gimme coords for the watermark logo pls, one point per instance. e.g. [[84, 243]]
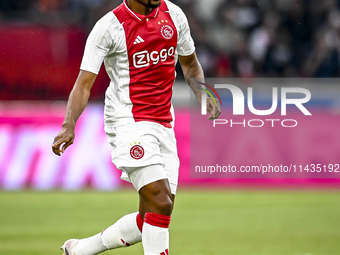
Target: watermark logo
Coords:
[[239, 101]]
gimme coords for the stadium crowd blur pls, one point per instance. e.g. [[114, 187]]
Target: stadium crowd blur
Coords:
[[234, 38]]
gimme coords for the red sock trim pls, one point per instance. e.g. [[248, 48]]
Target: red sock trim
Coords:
[[139, 222], [157, 220]]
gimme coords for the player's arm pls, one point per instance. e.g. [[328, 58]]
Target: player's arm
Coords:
[[75, 106], [193, 73]]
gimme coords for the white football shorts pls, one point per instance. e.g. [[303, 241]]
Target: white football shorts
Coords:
[[145, 152]]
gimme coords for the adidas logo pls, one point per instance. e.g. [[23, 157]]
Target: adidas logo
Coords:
[[139, 40]]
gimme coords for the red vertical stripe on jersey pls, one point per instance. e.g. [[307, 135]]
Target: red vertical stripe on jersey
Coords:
[[152, 62]]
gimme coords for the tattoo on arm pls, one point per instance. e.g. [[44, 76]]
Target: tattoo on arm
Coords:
[[193, 75], [194, 71]]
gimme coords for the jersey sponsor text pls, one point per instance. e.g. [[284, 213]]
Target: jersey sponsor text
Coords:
[[144, 58]]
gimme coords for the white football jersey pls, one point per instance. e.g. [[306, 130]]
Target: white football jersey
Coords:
[[140, 53]]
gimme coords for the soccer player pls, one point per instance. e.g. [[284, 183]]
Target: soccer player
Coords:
[[139, 42]]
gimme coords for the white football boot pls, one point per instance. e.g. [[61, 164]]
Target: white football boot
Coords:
[[68, 247]]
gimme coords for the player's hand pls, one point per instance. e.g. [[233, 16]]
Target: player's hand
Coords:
[[65, 138], [215, 110]]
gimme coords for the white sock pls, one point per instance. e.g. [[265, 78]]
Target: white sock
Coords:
[[125, 232], [155, 236], [90, 246]]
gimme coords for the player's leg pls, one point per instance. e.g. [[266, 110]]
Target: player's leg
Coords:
[[157, 198], [125, 232], [156, 204]]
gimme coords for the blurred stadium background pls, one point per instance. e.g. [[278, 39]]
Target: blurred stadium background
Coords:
[[41, 45]]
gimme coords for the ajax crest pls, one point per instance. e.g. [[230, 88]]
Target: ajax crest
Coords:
[[137, 152], [167, 32]]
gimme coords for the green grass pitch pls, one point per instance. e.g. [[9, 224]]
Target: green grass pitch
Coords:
[[230, 222]]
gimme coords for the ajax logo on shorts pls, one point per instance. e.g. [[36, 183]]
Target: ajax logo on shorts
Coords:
[[136, 151]]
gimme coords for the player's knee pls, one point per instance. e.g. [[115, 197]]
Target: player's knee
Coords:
[[156, 198], [164, 205]]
